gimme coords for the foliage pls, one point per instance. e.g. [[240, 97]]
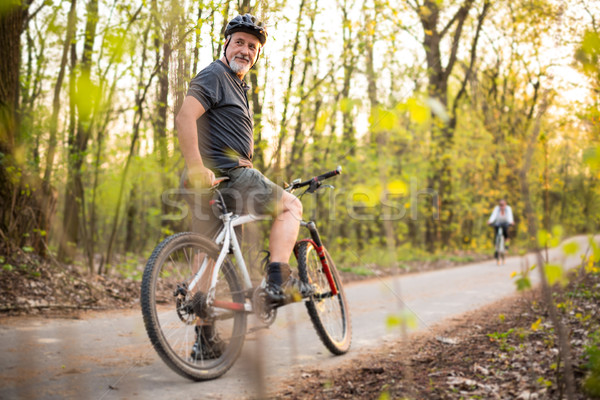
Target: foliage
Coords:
[[358, 95], [592, 353]]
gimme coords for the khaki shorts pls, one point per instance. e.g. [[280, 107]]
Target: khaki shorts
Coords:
[[246, 192], [249, 192]]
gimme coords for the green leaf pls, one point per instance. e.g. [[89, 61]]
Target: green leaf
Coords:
[[554, 274], [543, 237], [398, 187], [418, 112], [384, 396], [370, 196], [347, 104], [595, 248], [322, 121], [557, 234], [591, 157], [570, 249], [28, 249], [523, 284], [591, 43], [382, 120], [405, 318]]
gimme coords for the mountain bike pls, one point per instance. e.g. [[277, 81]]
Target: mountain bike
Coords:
[[192, 282], [500, 248]]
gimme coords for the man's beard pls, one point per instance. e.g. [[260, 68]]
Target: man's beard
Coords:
[[239, 68]]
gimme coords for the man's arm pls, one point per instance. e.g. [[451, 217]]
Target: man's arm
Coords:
[[190, 111]]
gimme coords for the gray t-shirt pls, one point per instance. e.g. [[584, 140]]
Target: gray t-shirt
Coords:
[[225, 130]]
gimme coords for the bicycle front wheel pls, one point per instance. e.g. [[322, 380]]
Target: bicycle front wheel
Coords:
[[329, 313], [178, 318]]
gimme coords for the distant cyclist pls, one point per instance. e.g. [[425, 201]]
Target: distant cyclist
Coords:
[[502, 217]]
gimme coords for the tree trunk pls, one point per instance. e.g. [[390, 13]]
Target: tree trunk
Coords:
[[349, 56], [130, 231], [160, 124], [225, 15], [20, 214], [299, 140], [57, 89], [438, 232], [75, 195], [286, 98], [258, 159]]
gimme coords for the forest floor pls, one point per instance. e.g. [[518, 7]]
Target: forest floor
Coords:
[[32, 286], [507, 350]]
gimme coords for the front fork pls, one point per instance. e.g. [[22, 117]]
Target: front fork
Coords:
[[318, 245]]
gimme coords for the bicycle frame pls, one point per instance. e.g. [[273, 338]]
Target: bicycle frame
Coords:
[[499, 238], [318, 245], [227, 240]]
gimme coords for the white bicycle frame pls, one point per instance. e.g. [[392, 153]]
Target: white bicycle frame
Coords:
[[227, 240], [499, 240]]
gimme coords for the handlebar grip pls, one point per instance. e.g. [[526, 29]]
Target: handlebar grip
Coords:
[[330, 174]]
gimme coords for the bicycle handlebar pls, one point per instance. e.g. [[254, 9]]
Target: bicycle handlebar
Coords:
[[329, 174], [316, 181]]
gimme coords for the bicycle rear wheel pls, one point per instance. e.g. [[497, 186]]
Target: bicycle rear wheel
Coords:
[[174, 314], [329, 313], [499, 249]]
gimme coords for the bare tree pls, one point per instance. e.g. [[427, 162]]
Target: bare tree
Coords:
[[78, 142], [438, 74]]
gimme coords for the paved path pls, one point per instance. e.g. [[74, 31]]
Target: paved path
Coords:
[[109, 356]]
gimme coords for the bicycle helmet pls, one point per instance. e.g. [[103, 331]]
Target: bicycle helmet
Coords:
[[247, 23]]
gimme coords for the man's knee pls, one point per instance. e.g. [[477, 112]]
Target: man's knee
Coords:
[[292, 205]]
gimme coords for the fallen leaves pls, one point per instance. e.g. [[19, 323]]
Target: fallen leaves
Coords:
[[38, 286], [508, 351]]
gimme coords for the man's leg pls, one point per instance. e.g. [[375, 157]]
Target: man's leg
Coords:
[[284, 230]]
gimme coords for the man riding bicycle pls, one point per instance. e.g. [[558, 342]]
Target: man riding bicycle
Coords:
[[216, 136], [502, 217]]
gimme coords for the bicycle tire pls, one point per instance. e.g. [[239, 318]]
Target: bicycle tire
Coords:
[[171, 326], [329, 314], [497, 245], [500, 247]]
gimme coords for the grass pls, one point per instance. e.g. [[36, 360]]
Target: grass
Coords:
[[358, 270], [349, 259]]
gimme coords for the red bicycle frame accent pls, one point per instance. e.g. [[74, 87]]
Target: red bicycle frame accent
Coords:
[[321, 253], [227, 305]]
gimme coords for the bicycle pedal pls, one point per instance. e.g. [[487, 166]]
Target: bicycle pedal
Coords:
[[263, 308]]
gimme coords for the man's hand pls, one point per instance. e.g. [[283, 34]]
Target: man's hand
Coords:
[[201, 177]]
